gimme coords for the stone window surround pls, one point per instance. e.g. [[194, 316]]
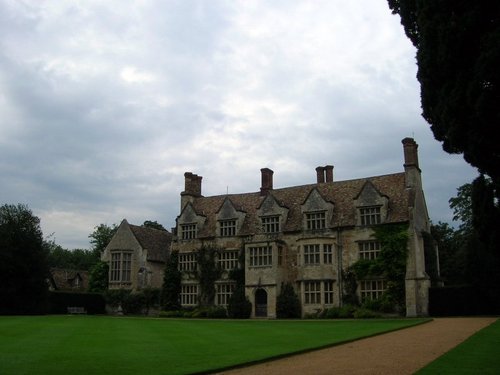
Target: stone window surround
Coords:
[[120, 266]]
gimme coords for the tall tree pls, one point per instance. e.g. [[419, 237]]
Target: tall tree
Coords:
[[452, 253], [101, 236], [98, 277], [23, 262], [458, 55], [171, 290]]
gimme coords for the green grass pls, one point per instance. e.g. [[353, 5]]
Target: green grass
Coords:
[[110, 345], [479, 354]]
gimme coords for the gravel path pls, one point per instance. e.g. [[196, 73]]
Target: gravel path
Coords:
[[400, 352]]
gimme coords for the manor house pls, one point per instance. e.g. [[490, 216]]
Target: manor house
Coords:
[[305, 235]]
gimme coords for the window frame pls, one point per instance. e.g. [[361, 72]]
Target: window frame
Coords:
[[120, 270], [373, 289], [189, 294], [223, 292], [328, 255], [315, 220], [227, 228], [370, 215], [312, 292], [369, 250], [328, 292], [228, 260], [311, 254], [188, 262], [189, 231], [271, 224], [260, 256]]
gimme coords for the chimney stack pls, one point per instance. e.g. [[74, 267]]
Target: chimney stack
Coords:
[[267, 181], [329, 173], [324, 174], [192, 184], [320, 174], [410, 148]]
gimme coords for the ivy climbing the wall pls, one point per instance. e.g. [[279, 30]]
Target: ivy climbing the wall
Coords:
[[208, 272], [389, 265]]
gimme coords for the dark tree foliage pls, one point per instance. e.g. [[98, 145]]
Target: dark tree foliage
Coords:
[[23, 262], [100, 237], [239, 306], [154, 225], [98, 277], [287, 303], [452, 253], [77, 259], [458, 55], [171, 289], [484, 252]]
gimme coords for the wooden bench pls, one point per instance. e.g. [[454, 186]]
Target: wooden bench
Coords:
[[76, 310]]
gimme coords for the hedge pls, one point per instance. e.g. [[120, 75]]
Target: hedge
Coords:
[[93, 303], [464, 301]]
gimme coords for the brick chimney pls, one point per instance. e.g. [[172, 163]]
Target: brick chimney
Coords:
[[267, 181], [192, 188], [329, 173], [320, 174], [410, 148], [324, 174]]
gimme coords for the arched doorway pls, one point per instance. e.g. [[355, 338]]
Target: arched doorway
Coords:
[[260, 303]]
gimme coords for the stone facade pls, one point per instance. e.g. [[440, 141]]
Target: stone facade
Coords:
[[136, 257], [305, 235]]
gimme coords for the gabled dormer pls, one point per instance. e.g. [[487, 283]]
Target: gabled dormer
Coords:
[[272, 215], [371, 206], [189, 223], [317, 213], [229, 219]]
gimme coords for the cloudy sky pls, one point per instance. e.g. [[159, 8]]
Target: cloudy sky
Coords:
[[105, 104]]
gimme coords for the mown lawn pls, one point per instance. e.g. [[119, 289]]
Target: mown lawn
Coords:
[[479, 354], [112, 345]]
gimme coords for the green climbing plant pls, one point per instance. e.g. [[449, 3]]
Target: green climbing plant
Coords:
[[208, 272], [390, 263]]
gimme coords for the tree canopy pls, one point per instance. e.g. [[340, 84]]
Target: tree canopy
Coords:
[[101, 236], [458, 55], [153, 224], [23, 262]]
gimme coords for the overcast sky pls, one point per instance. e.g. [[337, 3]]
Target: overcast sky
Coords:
[[105, 104]]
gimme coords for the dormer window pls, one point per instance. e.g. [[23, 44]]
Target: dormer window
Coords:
[[271, 224], [227, 228], [188, 231], [315, 220], [370, 215]]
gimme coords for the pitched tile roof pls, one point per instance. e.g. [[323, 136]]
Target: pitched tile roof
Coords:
[[157, 242], [66, 279], [340, 193]]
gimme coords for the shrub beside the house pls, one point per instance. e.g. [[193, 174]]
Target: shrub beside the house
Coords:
[[345, 312], [239, 306], [133, 303], [287, 303]]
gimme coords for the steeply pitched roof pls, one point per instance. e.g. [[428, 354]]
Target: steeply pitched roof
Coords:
[[340, 193], [157, 242], [65, 279]]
